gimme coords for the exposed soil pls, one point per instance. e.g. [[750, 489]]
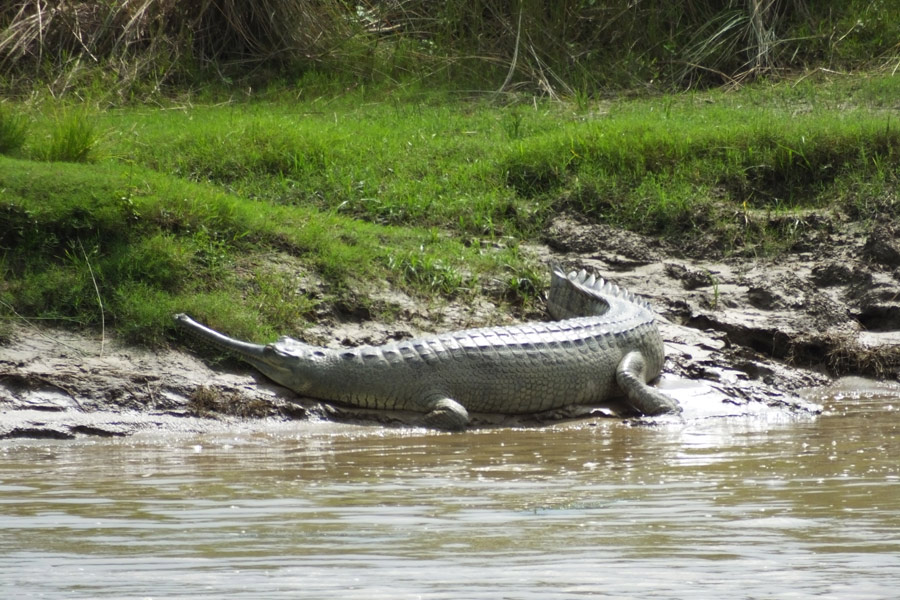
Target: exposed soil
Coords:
[[743, 336]]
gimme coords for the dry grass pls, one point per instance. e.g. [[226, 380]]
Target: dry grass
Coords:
[[159, 40], [846, 355], [570, 48]]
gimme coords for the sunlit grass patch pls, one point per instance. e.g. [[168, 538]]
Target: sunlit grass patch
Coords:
[[660, 166]]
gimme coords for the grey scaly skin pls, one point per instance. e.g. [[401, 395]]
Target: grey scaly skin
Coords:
[[604, 344]]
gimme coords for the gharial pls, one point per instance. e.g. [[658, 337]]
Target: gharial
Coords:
[[604, 344]]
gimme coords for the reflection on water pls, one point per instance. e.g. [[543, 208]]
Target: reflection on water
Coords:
[[741, 508]]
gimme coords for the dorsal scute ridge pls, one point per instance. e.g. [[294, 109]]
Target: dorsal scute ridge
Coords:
[[595, 285]]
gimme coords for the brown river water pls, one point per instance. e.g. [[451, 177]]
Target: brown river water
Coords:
[[763, 506]]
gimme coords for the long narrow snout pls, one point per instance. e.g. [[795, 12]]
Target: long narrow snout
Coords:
[[244, 350]]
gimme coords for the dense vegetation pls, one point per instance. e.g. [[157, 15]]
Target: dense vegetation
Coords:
[[367, 159], [566, 48]]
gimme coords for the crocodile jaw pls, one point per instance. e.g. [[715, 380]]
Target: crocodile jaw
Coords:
[[267, 359]]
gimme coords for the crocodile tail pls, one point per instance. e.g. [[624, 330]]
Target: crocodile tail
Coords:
[[578, 294]]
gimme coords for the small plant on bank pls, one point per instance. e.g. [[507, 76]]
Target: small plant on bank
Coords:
[[714, 303], [512, 124], [523, 286], [13, 130]]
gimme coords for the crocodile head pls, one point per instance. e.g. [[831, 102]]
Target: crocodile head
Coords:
[[287, 362]]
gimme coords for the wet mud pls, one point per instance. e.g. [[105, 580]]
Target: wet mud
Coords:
[[743, 336]]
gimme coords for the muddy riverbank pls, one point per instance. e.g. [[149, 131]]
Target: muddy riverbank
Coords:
[[742, 335]]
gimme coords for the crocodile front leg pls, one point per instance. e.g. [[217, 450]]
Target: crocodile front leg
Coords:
[[447, 414], [630, 375]]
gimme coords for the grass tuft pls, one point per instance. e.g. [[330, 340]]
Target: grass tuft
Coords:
[[13, 130], [72, 139], [423, 271]]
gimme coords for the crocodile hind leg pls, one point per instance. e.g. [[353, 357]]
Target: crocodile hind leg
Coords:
[[631, 378], [446, 414]]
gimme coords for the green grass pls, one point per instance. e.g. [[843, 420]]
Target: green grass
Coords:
[[254, 215], [158, 244], [662, 165]]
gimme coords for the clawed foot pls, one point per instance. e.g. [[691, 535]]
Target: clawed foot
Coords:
[[448, 415], [642, 397]]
